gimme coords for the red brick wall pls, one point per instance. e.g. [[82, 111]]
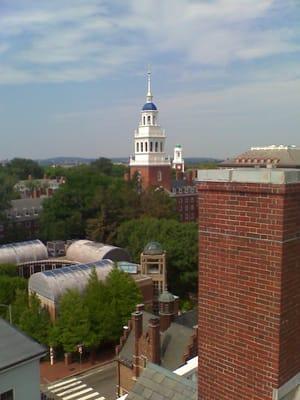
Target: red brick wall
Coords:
[[249, 279], [149, 175]]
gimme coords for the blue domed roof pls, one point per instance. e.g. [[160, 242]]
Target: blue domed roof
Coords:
[[149, 107]]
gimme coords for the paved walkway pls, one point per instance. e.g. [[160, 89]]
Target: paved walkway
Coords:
[[51, 373]]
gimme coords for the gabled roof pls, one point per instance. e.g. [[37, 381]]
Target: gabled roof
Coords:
[[174, 343], [16, 347], [157, 383]]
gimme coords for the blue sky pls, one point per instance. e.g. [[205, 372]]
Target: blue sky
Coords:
[[226, 74]]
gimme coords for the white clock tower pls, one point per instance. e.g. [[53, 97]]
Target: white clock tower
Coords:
[[150, 161], [178, 161]]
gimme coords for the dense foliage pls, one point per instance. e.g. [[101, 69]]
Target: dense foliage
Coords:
[[91, 318], [95, 200], [101, 312], [178, 239], [22, 168], [8, 269]]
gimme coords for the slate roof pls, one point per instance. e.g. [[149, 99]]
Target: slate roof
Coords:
[[16, 347], [174, 343], [157, 383], [189, 318]]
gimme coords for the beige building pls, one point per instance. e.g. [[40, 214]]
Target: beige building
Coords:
[[153, 264]]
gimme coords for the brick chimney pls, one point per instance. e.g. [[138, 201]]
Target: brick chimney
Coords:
[[137, 318], [249, 280], [154, 340]]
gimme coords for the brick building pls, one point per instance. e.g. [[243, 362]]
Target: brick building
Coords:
[[167, 340], [185, 194], [35, 188], [151, 166], [249, 279]]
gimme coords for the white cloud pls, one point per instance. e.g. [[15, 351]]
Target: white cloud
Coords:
[[74, 40]]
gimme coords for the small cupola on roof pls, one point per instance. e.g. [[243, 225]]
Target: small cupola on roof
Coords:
[[166, 297], [149, 105], [153, 248]]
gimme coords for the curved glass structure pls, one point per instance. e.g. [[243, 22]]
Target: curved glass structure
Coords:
[[53, 284], [17, 253], [86, 251]]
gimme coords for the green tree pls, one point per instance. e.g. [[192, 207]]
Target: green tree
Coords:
[[35, 321], [21, 168], [158, 204], [180, 242], [8, 270], [122, 297], [73, 323], [95, 300], [19, 305], [8, 288], [117, 203]]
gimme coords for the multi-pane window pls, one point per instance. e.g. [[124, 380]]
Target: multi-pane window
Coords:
[[9, 395]]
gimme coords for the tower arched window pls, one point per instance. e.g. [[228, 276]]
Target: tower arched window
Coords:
[[161, 147], [144, 120], [159, 176], [151, 146], [137, 147], [149, 119], [142, 147], [146, 147], [156, 147]]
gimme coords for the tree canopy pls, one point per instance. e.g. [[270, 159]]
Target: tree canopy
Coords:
[[180, 242], [21, 168], [95, 200], [97, 315]]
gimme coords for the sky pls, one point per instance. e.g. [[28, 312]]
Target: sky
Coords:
[[225, 75]]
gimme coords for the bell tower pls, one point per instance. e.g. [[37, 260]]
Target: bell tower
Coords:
[[178, 161], [150, 162]]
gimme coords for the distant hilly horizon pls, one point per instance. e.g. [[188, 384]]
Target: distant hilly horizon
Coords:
[[123, 160]]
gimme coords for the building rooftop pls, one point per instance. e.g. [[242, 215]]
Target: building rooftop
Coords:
[[54, 283], [153, 248], [279, 156], [189, 318], [275, 176], [16, 347], [174, 343], [86, 251], [166, 297], [17, 253], [149, 107], [157, 383]]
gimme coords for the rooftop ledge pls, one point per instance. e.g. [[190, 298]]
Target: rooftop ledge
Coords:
[[250, 175]]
